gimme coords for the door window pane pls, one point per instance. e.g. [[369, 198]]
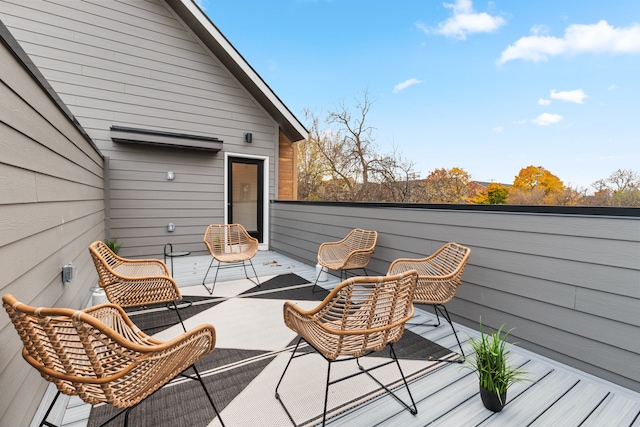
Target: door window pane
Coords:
[[245, 195]]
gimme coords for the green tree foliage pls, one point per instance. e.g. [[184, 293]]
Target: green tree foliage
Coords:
[[494, 194], [497, 194]]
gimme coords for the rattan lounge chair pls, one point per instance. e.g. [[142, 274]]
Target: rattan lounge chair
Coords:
[[99, 355], [360, 316], [352, 252], [230, 245], [439, 276], [134, 282]]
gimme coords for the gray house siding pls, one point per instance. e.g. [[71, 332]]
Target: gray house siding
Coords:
[[136, 64], [569, 284], [51, 209]]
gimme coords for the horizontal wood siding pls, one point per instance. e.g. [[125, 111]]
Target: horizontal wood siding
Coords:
[[51, 209], [569, 284], [136, 64]]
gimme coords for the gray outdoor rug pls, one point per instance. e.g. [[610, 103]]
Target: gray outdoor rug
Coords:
[[252, 348]]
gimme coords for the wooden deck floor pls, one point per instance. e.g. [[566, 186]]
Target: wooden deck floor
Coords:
[[557, 395]]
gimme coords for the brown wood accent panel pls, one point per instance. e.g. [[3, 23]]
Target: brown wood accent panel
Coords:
[[287, 169]]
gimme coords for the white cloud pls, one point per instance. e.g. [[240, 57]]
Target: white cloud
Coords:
[[578, 96], [519, 122], [540, 30], [464, 21], [546, 119], [498, 129], [578, 38], [613, 87], [405, 84], [542, 101]]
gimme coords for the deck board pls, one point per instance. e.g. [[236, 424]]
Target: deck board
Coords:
[[534, 401], [574, 407], [615, 410]]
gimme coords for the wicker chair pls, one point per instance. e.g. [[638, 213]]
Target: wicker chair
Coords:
[[134, 282], [439, 276], [230, 244], [99, 355], [360, 316], [352, 252]]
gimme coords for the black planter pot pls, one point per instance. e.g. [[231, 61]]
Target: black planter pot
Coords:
[[491, 400]]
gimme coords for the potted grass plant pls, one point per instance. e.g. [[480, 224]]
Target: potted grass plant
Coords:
[[113, 245], [491, 363]]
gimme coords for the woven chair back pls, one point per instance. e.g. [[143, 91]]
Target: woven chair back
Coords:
[[363, 241], [359, 239], [102, 356], [230, 242], [353, 251], [104, 260], [360, 315], [439, 275], [132, 283]]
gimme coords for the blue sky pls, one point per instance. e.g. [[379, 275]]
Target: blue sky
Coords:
[[490, 87]]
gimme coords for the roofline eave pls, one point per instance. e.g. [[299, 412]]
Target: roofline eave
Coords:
[[209, 34]]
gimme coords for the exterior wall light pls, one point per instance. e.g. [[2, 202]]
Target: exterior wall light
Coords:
[[170, 175], [248, 137]]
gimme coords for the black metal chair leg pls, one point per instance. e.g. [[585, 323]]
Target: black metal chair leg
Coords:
[[128, 410], [445, 314], [126, 417], [175, 306], [413, 409], [440, 308], [111, 418], [229, 265], [46, 415], [205, 277], [282, 377], [199, 378], [257, 282], [315, 284], [326, 394], [435, 309]]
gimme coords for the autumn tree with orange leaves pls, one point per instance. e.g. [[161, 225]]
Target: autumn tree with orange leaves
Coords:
[[534, 185]]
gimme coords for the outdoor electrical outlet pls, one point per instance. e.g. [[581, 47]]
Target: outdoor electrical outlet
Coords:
[[68, 273]]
